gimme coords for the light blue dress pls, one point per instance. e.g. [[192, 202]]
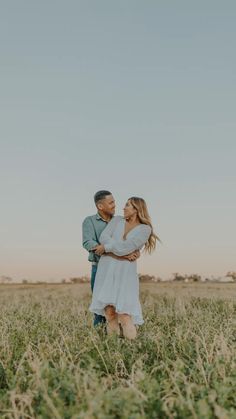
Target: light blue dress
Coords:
[[117, 281]]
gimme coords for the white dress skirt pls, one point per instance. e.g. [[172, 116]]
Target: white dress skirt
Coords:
[[117, 281]]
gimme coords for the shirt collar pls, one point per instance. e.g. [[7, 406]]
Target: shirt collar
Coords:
[[98, 217]]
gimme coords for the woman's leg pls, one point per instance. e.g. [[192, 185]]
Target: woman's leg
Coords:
[[112, 320], [129, 329]]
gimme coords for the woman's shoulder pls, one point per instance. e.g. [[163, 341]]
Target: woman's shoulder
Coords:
[[146, 228], [117, 218]]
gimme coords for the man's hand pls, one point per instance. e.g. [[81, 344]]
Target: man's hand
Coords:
[[133, 256], [99, 249]]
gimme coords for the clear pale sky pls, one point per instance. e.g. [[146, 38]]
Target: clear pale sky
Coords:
[[137, 97]]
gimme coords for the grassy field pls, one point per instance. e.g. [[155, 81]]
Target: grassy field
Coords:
[[53, 364]]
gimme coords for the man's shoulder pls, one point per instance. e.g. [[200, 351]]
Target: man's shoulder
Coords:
[[90, 218], [94, 217]]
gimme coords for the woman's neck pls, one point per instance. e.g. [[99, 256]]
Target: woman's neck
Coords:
[[132, 220]]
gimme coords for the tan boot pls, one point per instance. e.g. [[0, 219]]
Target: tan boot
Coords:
[[112, 320], [129, 329]]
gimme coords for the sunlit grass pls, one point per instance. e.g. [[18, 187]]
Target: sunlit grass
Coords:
[[55, 365]]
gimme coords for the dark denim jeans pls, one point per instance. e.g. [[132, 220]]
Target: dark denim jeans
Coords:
[[98, 319]]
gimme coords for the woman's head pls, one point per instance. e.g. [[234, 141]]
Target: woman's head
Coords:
[[137, 206]]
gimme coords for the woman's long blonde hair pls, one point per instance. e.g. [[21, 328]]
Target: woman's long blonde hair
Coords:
[[142, 212]]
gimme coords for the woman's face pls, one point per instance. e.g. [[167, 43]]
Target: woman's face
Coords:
[[129, 210]]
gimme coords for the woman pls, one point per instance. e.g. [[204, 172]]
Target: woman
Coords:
[[116, 289]]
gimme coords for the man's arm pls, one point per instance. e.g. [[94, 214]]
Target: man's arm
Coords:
[[99, 250], [89, 236], [131, 257]]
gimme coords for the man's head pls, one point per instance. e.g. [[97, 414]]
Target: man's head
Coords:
[[105, 203]]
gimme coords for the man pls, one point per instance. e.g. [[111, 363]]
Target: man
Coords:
[[92, 228]]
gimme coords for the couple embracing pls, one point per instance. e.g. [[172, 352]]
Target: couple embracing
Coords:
[[114, 244]]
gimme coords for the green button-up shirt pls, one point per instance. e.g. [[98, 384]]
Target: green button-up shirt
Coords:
[[92, 228]]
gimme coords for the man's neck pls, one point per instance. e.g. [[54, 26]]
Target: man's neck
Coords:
[[105, 217]]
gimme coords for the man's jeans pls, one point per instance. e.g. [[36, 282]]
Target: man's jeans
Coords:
[[98, 319]]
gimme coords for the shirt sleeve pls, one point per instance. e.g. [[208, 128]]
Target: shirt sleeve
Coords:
[[124, 247], [89, 236]]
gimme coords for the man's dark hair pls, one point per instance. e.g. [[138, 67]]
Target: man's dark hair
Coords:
[[101, 195]]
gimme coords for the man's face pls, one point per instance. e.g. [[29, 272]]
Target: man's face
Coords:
[[107, 205]]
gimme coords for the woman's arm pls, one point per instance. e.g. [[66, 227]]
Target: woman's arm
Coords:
[[106, 235], [124, 247], [109, 229]]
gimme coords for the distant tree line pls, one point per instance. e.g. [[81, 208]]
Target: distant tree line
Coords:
[[231, 275], [198, 278]]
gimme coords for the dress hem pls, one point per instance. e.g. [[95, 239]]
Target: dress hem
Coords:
[[100, 311]]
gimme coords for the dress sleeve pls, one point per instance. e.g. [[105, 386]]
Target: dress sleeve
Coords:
[[124, 247], [109, 229]]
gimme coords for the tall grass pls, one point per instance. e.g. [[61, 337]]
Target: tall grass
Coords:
[[53, 364]]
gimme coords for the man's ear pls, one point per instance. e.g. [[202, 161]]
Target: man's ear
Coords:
[[99, 206]]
